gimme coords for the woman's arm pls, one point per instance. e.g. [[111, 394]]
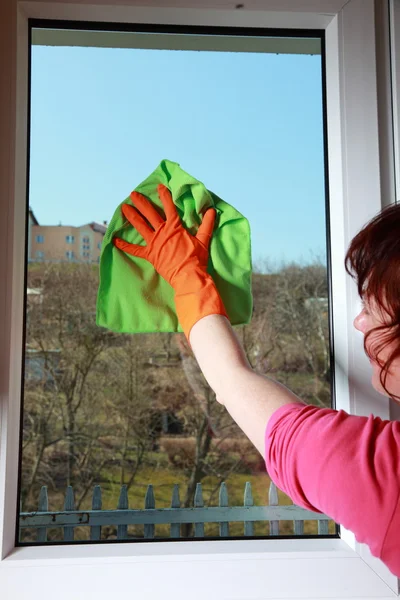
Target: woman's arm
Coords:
[[182, 260], [326, 460], [249, 397]]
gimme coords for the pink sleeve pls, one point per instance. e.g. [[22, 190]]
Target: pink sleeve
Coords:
[[345, 466]]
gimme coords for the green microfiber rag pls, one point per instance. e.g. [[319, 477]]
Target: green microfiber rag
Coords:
[[133, 298]]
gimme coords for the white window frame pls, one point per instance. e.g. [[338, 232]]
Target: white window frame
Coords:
[[296, 568]]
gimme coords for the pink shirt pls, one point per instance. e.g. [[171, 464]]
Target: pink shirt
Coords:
[[345, 466]]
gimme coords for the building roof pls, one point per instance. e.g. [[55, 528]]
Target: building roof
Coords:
[[100, 227], [32, 216]]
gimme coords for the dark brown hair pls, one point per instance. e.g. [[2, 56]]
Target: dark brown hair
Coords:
[[373, 260]]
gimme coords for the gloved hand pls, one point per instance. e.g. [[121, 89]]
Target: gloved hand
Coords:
[[179, 257]]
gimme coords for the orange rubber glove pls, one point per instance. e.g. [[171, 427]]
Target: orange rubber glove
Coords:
[[179, 257]]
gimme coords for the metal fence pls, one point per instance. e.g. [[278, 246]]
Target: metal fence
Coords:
[[175, 516]]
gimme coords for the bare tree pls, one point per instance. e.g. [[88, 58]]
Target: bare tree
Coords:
[[297, 314], [66, 343], [130, 406], [209, 425]]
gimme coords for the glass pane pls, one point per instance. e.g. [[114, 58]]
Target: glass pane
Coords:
[[116, 421]]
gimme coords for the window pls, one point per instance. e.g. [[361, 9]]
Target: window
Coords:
[[39, 254], [69, 239], [147, 415], [360, 581], [69, 254], [99, 245], [39, 239]]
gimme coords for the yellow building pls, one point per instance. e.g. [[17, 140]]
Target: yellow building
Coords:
[[65, 243]]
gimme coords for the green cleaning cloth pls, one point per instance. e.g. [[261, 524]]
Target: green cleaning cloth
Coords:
[[133, 298]]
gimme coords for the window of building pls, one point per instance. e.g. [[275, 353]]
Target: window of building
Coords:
[[69, 254], [39, 239], [39, 254], [99, 245], [85, 240], [70, 239]]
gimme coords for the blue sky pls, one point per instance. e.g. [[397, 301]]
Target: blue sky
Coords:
[[248, 125]]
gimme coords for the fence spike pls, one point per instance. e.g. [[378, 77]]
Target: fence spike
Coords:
[[149, 503], [123, 504], [43, 506], [273, 501], [223, 501], [175, 528], [69, 504], [298, 526], [95, 531], [176, 501], [198, 503], [43, 499], [198, 496], [323, 527], [248, 501], [96, 498]]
